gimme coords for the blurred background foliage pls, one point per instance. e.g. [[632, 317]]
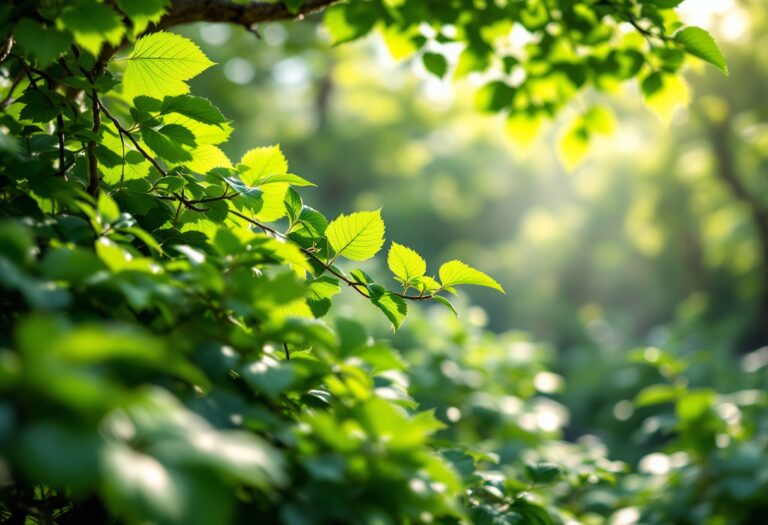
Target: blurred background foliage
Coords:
[[648, 233]]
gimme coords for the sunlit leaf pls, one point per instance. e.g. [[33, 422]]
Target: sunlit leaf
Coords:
[[358, 236], [160, 65], [405, 263], [699, 43], [454, 273]]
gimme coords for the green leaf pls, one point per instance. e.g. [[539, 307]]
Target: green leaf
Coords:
[[425, 283], [311, 222], [143, 12], [321, 291], [178, 133], [656, 395], [347, 22], [293, 205], [699, 43], [44, 43], [664, 94], [542, 473], [164, 146], [573, 146], [40, 105], [494, 96], [92, 23], [268, 376], [445, 302], [695, 405], [358, 236], [394, 307], [290, 178], [600, 119], [454, 272], [160, 65], [107, 208], [435, 63], [196, 108], [406, 264], [273, 201], [74, 265], [260, 163], [206, 157]]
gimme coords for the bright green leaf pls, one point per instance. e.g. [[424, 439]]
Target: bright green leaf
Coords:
[[454, 273], [260, 163], [160, 65], [405, 263], [196, 108], [358, 236], [699, 43]]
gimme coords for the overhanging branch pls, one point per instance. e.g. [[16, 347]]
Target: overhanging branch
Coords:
[[245, 14]]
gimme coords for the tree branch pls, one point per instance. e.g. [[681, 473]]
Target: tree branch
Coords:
[[93, 163], [244, 14], [719, 133]]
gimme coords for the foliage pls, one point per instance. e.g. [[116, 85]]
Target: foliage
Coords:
[[163, 353]]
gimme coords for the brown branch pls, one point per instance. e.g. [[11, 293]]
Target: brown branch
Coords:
[[244, 14], [5, 48], [359, 287], [93, 163], [125, 132], [726, 171], [60, 135]]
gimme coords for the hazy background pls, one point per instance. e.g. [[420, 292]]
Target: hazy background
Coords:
[[646, 237]]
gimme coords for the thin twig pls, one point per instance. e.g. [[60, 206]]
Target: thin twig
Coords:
[[93, 163]]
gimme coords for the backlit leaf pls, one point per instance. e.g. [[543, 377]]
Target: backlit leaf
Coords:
[[160, 65], [454, 272], [699, 43], [405, 263], [358, 236]]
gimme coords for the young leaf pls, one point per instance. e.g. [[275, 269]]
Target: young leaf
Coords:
[[406, 264], [358, 236], [453, 273], [699, 43], [160, 65], [260, 163], [293, 205], [425, 283]]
